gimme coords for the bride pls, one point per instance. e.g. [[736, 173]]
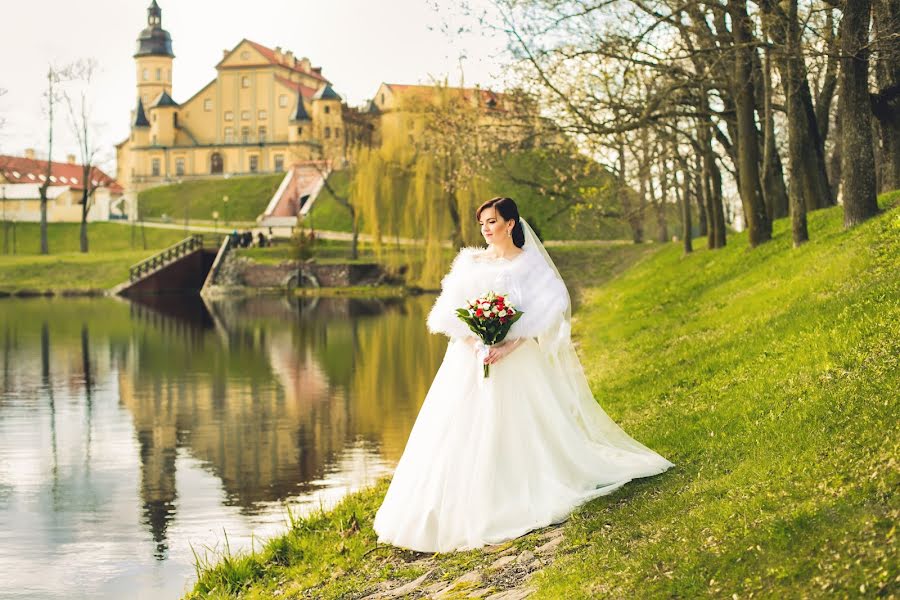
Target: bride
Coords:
[[490, 459]]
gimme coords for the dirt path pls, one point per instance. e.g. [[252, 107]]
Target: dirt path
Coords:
[[504, 573]]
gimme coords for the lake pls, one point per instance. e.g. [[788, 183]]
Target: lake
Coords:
[[135, 434]]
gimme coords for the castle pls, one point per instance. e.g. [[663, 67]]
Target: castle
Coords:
[[265, 110]]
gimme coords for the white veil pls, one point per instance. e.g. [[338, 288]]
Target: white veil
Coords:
[[557, 346]]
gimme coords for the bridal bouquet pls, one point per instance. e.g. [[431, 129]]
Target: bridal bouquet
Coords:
[[489, 317]]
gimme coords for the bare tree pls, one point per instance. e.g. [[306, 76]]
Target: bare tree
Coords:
[[80, 121], [51, 97]]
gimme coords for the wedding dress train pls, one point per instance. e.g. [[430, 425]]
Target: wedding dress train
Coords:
[[489, 459]]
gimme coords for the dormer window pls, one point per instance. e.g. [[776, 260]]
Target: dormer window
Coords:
[[327, 109]]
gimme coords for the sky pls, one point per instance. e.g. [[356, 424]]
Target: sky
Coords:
[[358, 44]]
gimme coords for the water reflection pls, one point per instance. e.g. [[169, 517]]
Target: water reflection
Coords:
[[130, 432]]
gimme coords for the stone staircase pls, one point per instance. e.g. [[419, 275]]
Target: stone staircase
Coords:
[[296, 195]]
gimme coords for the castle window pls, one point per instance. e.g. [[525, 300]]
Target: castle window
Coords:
[[207, 105], [261, 115], [261, 134], [282, 100], [245, 135], [154, 167], [245, 82], [159, 74], [153, 141], [299, 130], [145, 74], [229, 135], [245, 115], [279, 163], [169, 75], [337, 132], [382, 99], [327, 132], [254, 163], [327, 109], [229, 116], [179, 167], [215, 163]]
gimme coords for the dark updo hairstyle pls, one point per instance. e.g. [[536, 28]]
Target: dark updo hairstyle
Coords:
[[506, 208]]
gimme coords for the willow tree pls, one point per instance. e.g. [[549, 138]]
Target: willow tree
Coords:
[[423, 183]]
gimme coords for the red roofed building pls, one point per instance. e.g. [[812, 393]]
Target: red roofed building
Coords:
[[22, 176], [265, 110]]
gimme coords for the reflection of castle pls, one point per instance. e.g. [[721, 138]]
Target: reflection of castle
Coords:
[[270, 408]]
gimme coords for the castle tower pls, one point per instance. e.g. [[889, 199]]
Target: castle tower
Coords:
[[153, 58]]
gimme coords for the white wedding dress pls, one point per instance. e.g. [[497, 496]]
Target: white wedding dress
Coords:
[[490, 459]]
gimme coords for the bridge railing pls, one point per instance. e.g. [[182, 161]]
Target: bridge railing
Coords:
[[161, 259]]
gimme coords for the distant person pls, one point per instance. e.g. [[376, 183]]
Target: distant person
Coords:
[[270, 238], [261, 240], [246, 239]]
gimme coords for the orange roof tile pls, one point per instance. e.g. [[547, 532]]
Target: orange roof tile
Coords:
[[17, 169], [269, 55]]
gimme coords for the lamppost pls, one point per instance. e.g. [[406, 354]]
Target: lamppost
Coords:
[[225, 203]]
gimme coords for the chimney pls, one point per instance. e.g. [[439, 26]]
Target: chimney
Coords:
[[289, 58], [70, 159], [278, 55], [29, 153], [225, 53], [305, 64]]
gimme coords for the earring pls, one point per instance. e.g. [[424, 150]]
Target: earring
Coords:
[[509, 233]]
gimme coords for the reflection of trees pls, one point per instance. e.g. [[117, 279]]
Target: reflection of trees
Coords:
[[269, 400]]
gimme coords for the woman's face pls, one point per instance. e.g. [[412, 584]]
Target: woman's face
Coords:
[[494, 228]]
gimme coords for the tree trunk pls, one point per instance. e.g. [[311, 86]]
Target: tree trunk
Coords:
[[662, 224], [887, 106], [758, 224], [354, 244], [712, 186], [83, 234], [718, 207], [775, 194], [834, 163], [699, 195], [683, 194], [806, 150], [857, 153]]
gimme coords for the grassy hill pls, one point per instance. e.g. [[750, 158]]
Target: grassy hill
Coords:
[[247, 198], [113, 248], [770, 377]]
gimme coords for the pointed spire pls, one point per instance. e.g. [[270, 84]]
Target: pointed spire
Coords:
[[140, 117], [164, 99], [326, 93], [300, 114]]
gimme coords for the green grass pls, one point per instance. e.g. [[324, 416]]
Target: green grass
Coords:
[[247, 198], [326, 212], [769, 376], [112, 251]]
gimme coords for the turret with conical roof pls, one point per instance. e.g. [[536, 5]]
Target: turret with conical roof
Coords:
[[154, 57], [327, 117]]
